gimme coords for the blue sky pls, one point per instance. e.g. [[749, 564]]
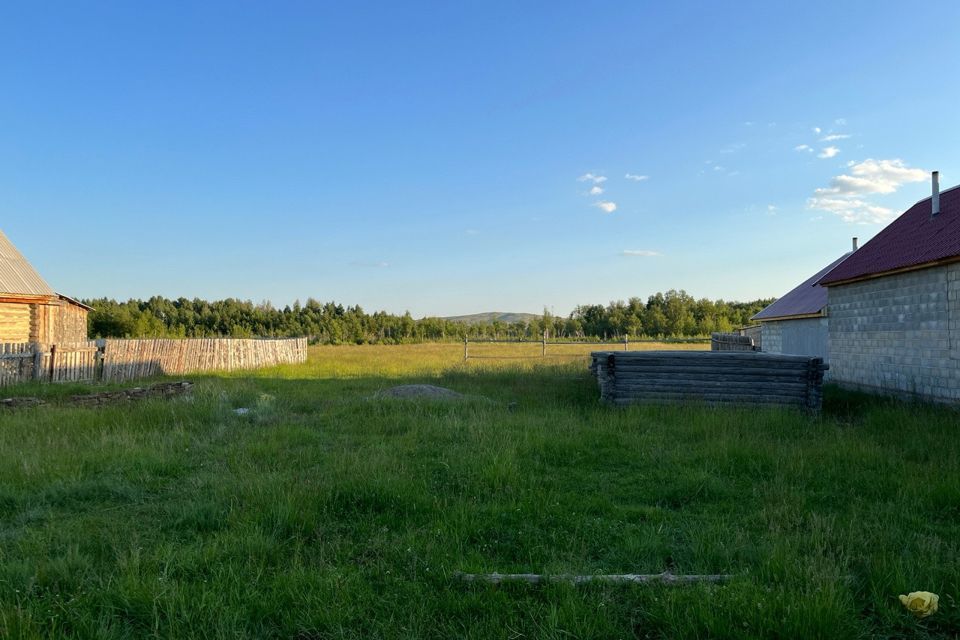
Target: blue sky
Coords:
[[440, 157]]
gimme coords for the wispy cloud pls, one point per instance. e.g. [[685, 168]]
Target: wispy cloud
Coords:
[[733, 147], [828, 152], [845, 195], [595, 190], [370, 265], [772, 209], [817, 130], [606, 206], [592, 177], [803, 147], [640, 253], [636, 178], [852, 210], [835, 136], [472, 232]]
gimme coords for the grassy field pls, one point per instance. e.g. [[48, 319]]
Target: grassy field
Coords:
[[328, 513]]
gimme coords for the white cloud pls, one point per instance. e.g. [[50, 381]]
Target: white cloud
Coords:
[[606, 206], [733, 147], [472, 232], [717, 167], [591, 177], [640, 253], [873, 176], [852, 210], [817, 130], [844, 196], [595, 190], [636, 178], [370, 265], [828, 152], [840, 122], [835, 136], [803, 147], [772, 209]]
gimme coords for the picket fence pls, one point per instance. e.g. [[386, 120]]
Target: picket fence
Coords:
[[121, 360]]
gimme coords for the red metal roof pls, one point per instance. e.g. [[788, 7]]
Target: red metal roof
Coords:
[[807, 298], [912, 240]]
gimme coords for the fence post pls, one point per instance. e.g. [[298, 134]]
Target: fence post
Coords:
[[543, 350], [466, 353], [98, 363], [626, 342], [37, 373], [53, 360]]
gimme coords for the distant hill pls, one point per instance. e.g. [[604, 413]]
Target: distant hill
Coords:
[[490, 316]]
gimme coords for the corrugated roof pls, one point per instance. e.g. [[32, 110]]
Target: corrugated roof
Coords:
[[805, 299], [17, 277], [912, 240]]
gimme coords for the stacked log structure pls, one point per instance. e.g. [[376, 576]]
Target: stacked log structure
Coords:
[[712, 377]]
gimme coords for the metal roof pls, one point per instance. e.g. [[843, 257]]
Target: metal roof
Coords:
[[914, 240], [806, 299], [17, 277]]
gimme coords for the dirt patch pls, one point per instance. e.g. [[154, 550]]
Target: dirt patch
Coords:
[[428, 391], [159, 390]]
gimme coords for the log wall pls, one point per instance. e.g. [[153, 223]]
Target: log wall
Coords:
[[714, 377], [15, 322], [731, 342]]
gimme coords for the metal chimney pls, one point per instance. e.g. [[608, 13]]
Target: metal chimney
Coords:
[[935, 199], [854, 243]]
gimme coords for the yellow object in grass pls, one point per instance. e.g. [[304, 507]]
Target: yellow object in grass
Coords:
[[921, 603]]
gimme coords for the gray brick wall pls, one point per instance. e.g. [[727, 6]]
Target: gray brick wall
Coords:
[[771, 337], [899, 333]]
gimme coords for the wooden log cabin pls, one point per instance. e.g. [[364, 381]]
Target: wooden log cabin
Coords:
[[30, 311]]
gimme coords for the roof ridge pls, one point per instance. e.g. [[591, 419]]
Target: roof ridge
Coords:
[[930, 197]]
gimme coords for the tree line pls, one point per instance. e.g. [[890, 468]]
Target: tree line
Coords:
[[674, 314]]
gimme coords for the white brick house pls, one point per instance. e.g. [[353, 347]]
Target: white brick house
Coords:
[[894, 306]]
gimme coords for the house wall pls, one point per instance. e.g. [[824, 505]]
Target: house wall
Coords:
[[70, 324], [801, 336], [899, 333], [53, 322], [15, 321]]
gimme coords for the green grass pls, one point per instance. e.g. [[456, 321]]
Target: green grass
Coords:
[[327, 514]]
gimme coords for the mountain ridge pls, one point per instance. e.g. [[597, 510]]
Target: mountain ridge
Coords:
[[487, 317]]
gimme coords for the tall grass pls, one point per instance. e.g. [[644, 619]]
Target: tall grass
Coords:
[[328, 513]]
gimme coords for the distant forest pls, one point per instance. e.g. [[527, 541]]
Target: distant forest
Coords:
[[674, 314]]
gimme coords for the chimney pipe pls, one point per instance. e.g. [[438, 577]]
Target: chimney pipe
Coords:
[[935, 199], [854, 243]]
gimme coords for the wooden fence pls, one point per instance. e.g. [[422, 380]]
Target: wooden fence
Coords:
[[715, 377], [121, 360]]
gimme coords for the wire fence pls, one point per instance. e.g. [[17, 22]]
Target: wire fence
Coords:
[[541, 348]]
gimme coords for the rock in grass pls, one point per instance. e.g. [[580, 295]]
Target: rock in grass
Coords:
[[428, 391]]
